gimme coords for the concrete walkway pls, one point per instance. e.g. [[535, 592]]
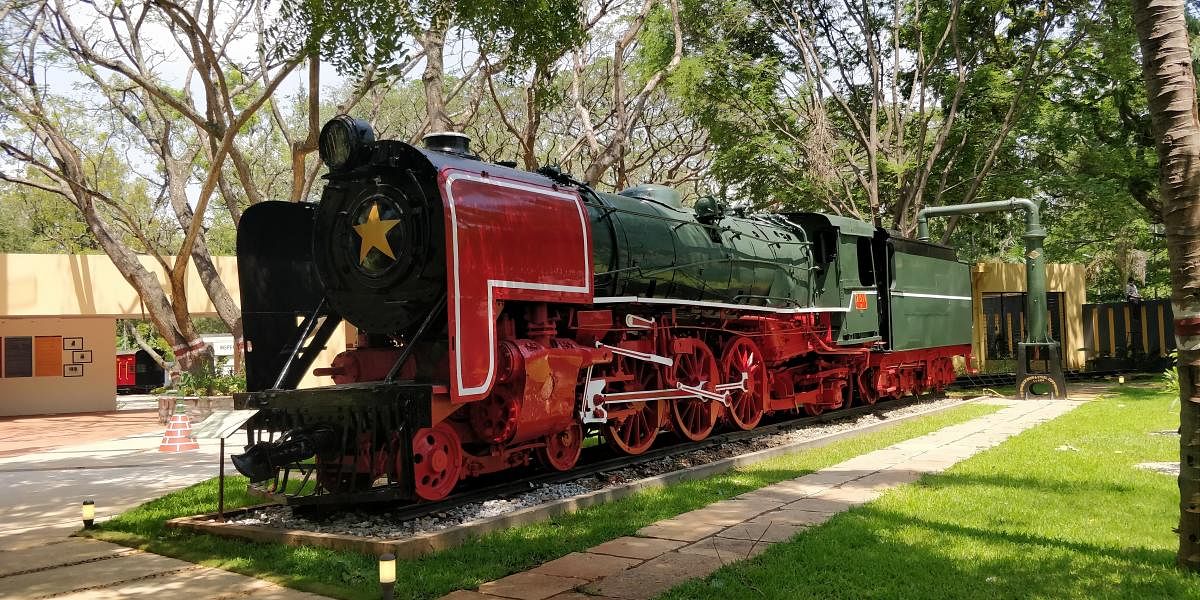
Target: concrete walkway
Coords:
[[40, 496], [25, 435], [694, 544]]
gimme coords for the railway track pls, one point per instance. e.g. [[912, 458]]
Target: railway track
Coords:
[[597, 460], [983, 380]]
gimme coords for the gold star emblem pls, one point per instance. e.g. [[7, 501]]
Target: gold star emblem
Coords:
[[374, 234]]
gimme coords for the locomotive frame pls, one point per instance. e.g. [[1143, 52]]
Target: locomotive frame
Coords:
[[556, 312]]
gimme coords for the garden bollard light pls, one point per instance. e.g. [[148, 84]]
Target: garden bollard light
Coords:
[[387, 575], [89, 513], [1121, 379]]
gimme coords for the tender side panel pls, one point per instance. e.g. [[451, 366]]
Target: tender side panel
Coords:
[[508, 240], [930, 286]]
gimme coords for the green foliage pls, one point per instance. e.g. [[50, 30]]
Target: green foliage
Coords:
[[1081, 136], [1080, 133], [126, 339], [1170, 377], [733, 69], [354, 35], [198, 382], [206, 381], [528, 32], [1087, 146], [206, 325], [36, 221]]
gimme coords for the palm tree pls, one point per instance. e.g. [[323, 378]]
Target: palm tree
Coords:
[[1171, 88]]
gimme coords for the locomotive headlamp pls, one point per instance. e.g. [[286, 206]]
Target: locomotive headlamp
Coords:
[[343, 140]]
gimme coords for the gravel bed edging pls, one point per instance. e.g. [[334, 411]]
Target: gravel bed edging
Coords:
[[428, 542]]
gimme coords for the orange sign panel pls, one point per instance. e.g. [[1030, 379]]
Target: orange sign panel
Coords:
[[47, 356], [860, 301]]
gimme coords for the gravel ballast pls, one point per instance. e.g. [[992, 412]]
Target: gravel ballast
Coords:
[[386, 525]]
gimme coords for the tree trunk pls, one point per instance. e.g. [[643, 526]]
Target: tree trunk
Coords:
[[210, 278], [154, 298], [131, 329], [433, 42], [1171, 90], [302, 148]]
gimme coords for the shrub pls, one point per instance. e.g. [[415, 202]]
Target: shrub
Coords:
[[1170, 377]]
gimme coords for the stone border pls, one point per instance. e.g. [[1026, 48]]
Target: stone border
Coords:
[[428, 542]]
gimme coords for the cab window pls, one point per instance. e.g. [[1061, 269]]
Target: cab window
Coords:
[[826, 246], [866, 267]]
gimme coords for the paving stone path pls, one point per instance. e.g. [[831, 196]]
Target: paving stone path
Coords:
[[694, 544], [40, 491], [79, 569]]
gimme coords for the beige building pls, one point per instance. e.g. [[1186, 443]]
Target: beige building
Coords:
[[1009, 278], [58, 318]]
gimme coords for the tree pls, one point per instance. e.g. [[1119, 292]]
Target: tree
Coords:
[[187, 138], [873, 109], [1171, 88], [524, 90], [635, 73], [385, 33], [35, 221]]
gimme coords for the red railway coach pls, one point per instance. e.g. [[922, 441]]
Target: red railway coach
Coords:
[[137, 373]]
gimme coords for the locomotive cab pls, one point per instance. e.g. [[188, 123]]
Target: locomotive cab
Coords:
[[847, 274]]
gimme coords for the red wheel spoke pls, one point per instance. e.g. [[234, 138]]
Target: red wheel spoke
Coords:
[[636, 432], [694, 419], [746, 407]]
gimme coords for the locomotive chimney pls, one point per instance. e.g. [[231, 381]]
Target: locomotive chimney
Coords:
[[448, 141]]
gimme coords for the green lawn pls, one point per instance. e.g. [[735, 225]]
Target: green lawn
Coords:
[[1059, 511], [349, 575]]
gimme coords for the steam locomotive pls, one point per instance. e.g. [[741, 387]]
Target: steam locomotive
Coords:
[[502, 316]]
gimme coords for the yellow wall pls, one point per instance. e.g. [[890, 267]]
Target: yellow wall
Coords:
[[92, 391], [39, 285], [41, 288], [996, 278]]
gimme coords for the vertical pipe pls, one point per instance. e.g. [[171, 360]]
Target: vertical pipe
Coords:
[[1035, 278], [221, 485]]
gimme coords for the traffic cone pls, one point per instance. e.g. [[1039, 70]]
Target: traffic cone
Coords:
[[178, 436]]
